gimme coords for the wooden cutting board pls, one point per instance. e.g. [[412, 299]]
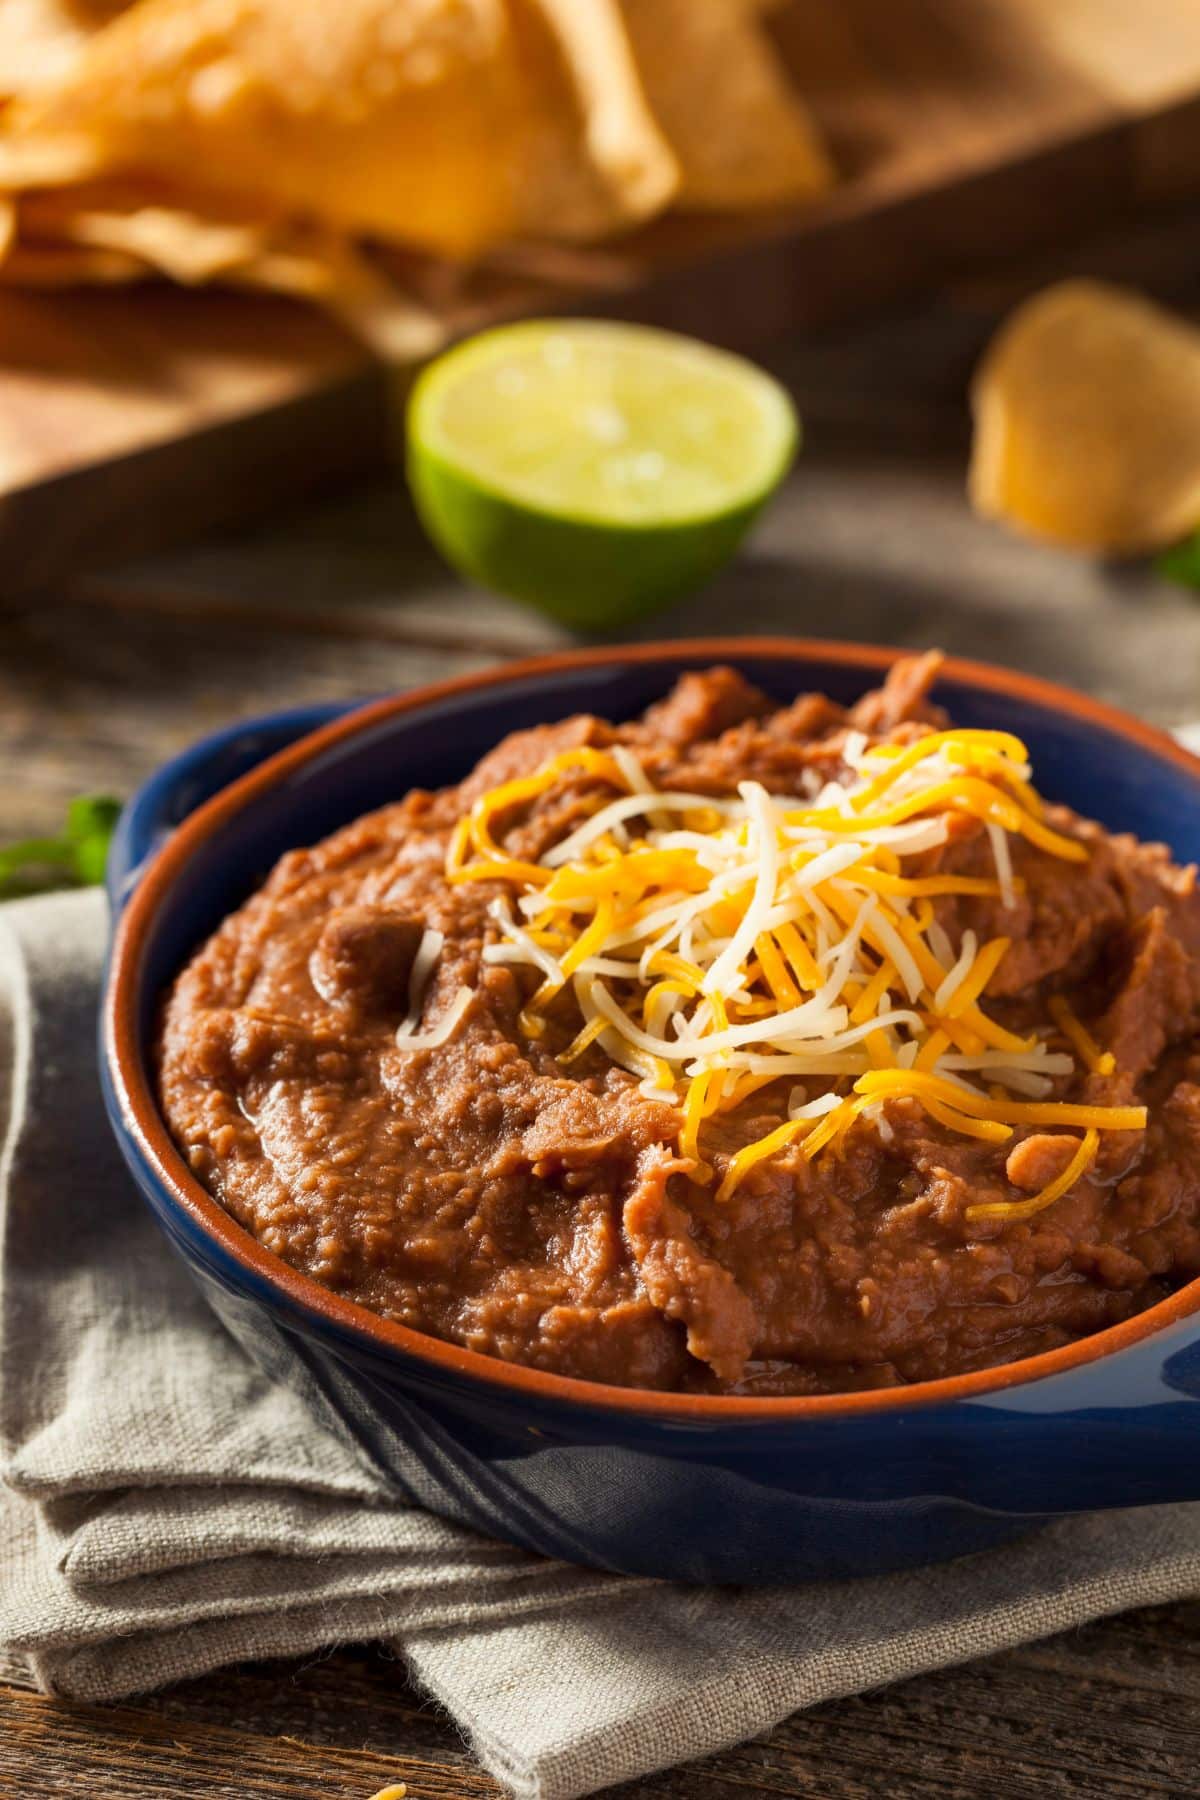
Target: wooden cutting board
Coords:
[[964, 131]]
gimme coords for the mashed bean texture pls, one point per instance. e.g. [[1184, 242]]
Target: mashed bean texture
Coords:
[[484, 1193]]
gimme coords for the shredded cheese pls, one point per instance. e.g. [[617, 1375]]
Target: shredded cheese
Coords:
[[443, 1031], [713, 944], [951, 983], [758, 1152], [1100, 1062], [1078, 1166], [424, 963]]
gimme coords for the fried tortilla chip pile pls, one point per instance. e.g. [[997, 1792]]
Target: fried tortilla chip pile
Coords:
[[266, 142], [1087, 421]]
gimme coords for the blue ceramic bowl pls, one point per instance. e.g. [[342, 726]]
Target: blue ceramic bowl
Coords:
[[699, 1488]]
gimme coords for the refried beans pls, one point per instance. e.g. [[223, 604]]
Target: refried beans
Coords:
[[509, 1178]]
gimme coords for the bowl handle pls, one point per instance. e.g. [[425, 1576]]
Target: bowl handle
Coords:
[[193, 777]]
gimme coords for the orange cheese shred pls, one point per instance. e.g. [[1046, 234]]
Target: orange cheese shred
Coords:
[[745, 1159], [1078, 1166], [1100, 1062]]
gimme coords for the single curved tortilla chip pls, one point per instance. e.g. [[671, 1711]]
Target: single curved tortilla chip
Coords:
[[623, 141], [40, 40], [113, 232], [68, 265], [146, 223], [450, 124], [369, 301], [726, 104], [1087, 421], [263, 98], [44, 160]]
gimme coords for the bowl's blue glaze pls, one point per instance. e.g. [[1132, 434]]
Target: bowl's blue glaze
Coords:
[[719, 1491]]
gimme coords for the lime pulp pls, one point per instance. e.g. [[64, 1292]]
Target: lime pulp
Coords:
[[593, 469]]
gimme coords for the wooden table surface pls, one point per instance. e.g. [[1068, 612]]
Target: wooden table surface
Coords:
[[872, 539]]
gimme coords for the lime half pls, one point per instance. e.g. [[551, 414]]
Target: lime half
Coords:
[[593, 469]]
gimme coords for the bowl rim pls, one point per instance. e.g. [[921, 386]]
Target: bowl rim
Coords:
[[141, 1118]]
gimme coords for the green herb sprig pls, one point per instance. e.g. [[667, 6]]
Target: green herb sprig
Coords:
[[1181, 562], [75, 858]]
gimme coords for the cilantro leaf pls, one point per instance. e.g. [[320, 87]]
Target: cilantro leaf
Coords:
[[75, 858], [1181, 562], [91, 821]]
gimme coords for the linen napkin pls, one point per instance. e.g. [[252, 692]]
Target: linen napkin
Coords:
[[165, 1510]]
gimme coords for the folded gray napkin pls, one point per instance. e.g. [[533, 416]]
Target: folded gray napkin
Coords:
[[166, 1511]]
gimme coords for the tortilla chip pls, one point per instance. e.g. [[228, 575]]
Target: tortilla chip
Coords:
[[165, 236], [426, 121], [68, 265], [725, 102], [108, 232], [595, 160], [40, 40], [264, 102], [372, 305], [44, 160], [251, 141], [1087, 421]]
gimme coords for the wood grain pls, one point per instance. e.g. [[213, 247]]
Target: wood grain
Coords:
[[963, 133], [1111, 1710], [125, 415]]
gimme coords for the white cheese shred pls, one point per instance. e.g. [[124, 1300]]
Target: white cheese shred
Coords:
[[443, 1031]]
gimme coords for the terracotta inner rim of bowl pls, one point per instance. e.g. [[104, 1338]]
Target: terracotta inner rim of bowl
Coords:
[[144, 1121]]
